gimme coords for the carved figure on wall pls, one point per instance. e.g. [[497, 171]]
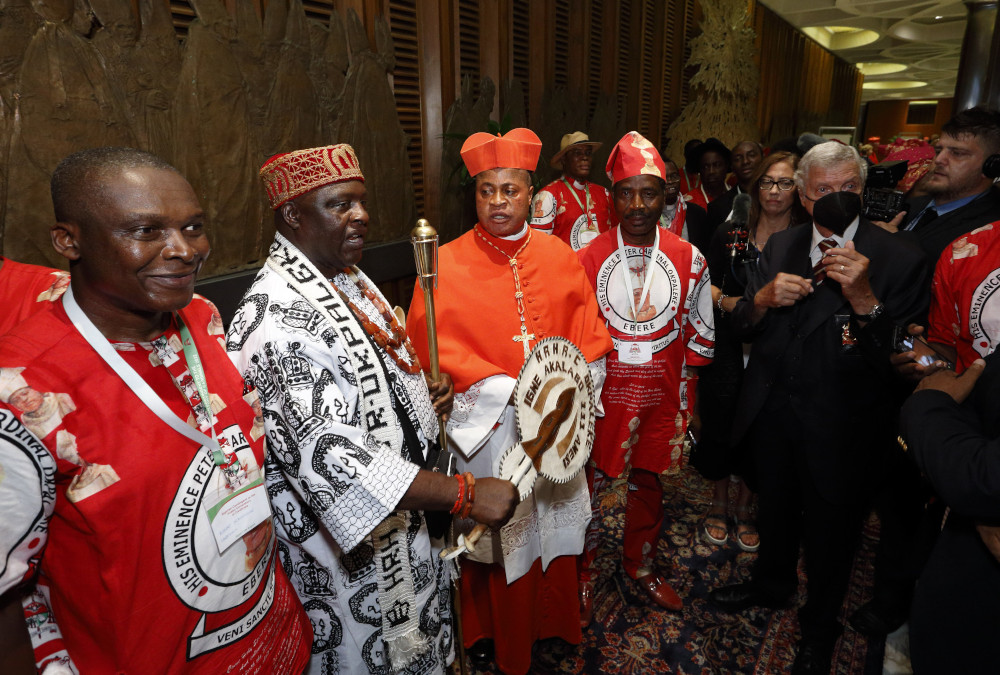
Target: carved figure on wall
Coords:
[[18, 23], [115, 36], [84, 73], [467, 115], [212, 114], [159, 67], [369, 122], [562, 112], [724, 90], [327, 70], [249, 52], [513, 105], [248, 49], [275, 25], [292, 115], [142, 66], [605, 124], [66, 103]]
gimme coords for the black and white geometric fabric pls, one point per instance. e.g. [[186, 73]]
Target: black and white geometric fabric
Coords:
[[331, 482]]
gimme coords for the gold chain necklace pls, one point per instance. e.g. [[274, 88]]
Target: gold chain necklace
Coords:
[[518, 294]]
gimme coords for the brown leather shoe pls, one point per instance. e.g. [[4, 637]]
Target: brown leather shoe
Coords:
[[660, 591], [586, 603]]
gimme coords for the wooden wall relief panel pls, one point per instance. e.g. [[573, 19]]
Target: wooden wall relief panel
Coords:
[[214, 146], [369, 122], [216, 86], [64, 101], [468, 114], [213, 87]]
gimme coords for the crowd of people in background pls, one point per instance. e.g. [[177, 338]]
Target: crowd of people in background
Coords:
[[278, 492]]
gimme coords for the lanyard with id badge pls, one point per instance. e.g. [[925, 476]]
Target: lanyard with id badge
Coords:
[[241, 504], [634, 351]]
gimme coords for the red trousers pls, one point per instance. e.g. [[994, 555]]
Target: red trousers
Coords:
[[643, 522]]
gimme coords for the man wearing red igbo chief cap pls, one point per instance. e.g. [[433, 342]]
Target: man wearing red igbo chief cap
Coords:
[[653, 291], [351, 430], [502, 288]]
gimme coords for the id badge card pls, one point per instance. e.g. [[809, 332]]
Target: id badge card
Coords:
[[238, 513], [635, 352]]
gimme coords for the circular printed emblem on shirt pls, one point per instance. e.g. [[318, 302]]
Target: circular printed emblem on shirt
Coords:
[[543, 209], [582, 232], [984, 315], [202, 578], [27, 493], [657, 311]]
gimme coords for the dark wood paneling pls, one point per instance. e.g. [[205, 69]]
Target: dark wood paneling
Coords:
[[802, 85]]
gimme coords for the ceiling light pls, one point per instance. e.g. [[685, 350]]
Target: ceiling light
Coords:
[[841, 37], [894, 84], [880, 68]]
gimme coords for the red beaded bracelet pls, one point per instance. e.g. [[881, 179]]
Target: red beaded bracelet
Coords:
[[470, 494], [461, 494]]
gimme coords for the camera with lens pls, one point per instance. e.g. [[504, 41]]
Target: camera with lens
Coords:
[[882, 200]]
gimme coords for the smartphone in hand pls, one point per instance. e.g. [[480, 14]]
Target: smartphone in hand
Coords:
[[926, 354]]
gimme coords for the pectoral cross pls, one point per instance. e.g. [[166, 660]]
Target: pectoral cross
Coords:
[[523, 339]]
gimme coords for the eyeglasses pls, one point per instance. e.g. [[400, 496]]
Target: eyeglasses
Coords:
[[784, 184]]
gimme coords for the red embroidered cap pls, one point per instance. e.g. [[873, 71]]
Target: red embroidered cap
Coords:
[[517, 149], [634, 156], [290, 174]]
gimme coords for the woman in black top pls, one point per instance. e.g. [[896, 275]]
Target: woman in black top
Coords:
[[732, 256]]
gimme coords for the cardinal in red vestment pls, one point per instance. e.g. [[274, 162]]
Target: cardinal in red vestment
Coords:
[[502, 287]]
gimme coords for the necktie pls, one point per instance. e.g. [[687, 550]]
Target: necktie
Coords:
[[819, 271], [928, 216]]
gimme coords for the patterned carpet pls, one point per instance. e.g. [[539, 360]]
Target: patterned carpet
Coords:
[[631, 635]]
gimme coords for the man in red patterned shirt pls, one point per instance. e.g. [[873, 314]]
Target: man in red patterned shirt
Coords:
[[137, 530], [653, 291], [572, 208]]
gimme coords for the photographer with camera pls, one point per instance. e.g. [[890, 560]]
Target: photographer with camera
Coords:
[[961, 200], [960, 193]]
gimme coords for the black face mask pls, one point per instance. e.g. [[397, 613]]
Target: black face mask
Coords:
[[836, 211]]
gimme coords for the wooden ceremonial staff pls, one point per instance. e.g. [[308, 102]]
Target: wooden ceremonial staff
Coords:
[[425, 247]]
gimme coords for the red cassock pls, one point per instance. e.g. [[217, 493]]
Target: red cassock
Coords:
[[477, 319]]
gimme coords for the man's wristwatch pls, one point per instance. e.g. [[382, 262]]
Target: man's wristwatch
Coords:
[[876, 311]]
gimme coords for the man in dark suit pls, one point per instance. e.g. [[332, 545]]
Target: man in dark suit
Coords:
[[960, 197], [955, 439], [816, 405], [747, 156]]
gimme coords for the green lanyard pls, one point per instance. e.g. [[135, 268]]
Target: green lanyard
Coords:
[[198, 375], [586, 189]]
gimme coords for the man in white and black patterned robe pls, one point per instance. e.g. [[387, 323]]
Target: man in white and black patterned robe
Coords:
[[349, 425]]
